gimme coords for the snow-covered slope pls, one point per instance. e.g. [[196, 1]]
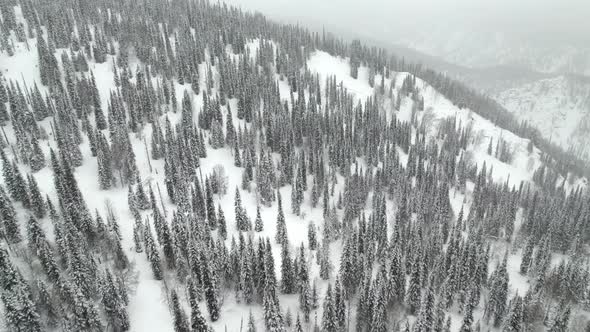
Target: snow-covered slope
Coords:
[[437, 108], [148, 308], [559, 107]]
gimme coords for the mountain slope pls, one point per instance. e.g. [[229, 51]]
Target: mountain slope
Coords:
[[244, 172], [147, 308], [559, 107]]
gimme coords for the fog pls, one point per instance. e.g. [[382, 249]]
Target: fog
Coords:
[[551, 22]]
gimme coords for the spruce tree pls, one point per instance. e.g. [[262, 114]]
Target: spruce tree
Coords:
[[281, 230], [251, 325], [221, 222], [312, 236], [20, 312], [152, 252], [209, 282], [36, 158], [425, 319], [114, 304], [513, 321], [11, 228], [298, 327], [37, 201], [258, 224], [180, 320], [287, 272], [527, 254], [329, 319], [340, 306], [19, 190], [413, 295], [496, 305], [561, 323], [305, 300]]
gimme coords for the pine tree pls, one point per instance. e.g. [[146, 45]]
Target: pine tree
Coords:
[[114, 304], [314, 295], [198, 322], [439, 316], [298, 327], [211, 217], [247, 279], [221, 222], [467, 324], [152, 252], [142, 199], [312, 236], [305, 301], [209, 282], [37, 201], [20, 312], [36, 158], [324, 258], [498, 294], [561, 323], [217, 137], [180, 320], [19, 191], [425, 319], [265, 178], [281, 230], [329, 319], [527, 255], [258, 224], [105, 171], [287, 272], [514, 319], [272, 315], [288, 318], [413, 294], [8, 214], [241, 218], [251, 324], [340, 306]]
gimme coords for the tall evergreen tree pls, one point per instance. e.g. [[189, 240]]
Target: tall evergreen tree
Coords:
[[180, 320]]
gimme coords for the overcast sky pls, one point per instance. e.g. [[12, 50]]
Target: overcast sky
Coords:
[[551, 21]]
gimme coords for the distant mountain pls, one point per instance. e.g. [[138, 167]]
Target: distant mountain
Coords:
[[476, 49], [487, 79], [558, 106]]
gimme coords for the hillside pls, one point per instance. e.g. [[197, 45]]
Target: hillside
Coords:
[[559, 107], [194, 168]]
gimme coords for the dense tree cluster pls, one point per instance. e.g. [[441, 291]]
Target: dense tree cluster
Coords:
[[385, 187]]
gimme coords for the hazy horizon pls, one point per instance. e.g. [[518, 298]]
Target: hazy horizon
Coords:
[[540, 20], [548, 35]]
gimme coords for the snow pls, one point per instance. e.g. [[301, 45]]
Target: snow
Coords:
[[327, 65], [559, 107], [148, 306], [439, 108]]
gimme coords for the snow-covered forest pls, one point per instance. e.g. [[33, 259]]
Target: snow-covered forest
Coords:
[[180, 165]]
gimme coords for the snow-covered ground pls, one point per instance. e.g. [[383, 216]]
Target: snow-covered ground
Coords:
[[439, 108], [148, 304]]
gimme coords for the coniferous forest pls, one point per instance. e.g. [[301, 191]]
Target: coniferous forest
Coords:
[[182, 165]]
